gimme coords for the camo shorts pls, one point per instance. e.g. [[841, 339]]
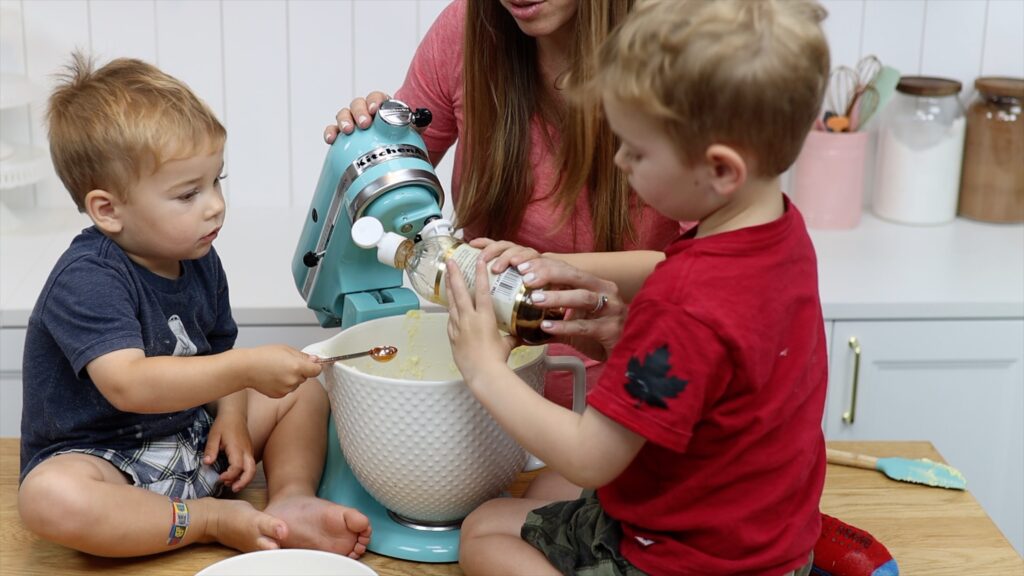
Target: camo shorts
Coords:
[[579, 538], [172, 466]]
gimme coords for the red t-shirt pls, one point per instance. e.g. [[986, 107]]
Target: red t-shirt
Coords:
[[722, 368], [434, 81]]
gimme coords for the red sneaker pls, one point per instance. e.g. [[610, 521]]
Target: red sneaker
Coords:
[[845, 550]]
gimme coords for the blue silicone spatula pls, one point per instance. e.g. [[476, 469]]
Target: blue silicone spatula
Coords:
[[920, 471]]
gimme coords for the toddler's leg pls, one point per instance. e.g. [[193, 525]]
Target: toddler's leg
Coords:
[[291, 433], [490, 543], [552, 486], [84, 502]]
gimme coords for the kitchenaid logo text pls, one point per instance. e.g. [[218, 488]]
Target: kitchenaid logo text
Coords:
[[386, 153]]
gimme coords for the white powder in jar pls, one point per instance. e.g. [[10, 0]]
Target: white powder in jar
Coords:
[[918, 181]]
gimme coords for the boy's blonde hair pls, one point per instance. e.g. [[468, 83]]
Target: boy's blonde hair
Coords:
[[112, 126], [748, 74]]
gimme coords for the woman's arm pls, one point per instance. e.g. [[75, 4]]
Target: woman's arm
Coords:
[[628, 270]]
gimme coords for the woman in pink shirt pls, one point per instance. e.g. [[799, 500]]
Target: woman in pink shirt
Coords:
[[530, 167]]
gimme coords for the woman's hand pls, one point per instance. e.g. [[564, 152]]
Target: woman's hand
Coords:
[[596, 312], [499, 255], [359, 113]]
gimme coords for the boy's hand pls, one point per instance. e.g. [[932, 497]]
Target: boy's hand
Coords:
[[277, 370], [229, 434], [477, 344]]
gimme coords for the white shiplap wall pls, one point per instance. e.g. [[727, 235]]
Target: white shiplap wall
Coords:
[[276, 71]]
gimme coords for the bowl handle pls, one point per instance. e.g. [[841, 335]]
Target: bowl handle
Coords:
[[579, 377], [579, 392]]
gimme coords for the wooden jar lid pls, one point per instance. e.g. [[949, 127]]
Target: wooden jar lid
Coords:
[[1000, 86], [928, 86]]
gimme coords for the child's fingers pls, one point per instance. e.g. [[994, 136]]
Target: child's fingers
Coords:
[[458, 295], [212, 448], [248, 472], [228, 476], [483, 286]]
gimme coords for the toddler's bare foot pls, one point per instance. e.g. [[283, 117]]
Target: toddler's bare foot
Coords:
[[322, 525], [237, 524]]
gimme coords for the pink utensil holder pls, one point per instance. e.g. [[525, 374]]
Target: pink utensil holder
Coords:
[[828, 178]]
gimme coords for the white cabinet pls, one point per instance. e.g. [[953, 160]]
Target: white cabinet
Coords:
[[958, 384], [12, 344], [297, 337]]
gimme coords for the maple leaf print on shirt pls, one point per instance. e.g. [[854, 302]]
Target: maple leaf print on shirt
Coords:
[[649, 381]]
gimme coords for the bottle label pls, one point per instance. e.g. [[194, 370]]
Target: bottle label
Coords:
[[505, 287]]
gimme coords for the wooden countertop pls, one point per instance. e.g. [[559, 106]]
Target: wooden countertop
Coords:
[[930, 531]]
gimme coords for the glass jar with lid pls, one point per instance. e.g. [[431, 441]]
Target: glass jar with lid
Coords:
[[992, 187], [920, 148]]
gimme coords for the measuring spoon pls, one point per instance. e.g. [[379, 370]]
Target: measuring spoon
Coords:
[[378, 353]]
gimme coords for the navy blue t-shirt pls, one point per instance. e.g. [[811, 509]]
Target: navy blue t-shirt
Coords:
[[97, 301]]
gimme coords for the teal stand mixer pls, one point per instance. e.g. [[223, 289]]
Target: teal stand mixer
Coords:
[[383, 172]]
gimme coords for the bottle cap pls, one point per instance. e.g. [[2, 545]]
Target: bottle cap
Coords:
[[388, 247], [439, 227], [367, 232]]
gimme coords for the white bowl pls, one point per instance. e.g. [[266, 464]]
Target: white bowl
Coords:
[[290, 562], [412, 432]]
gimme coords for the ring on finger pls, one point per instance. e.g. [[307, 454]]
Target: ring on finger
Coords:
[[601, 301]]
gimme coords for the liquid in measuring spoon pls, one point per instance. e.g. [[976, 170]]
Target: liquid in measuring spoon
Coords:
[[378, 353], [383, 353]]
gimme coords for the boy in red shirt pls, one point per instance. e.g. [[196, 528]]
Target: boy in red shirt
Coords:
[[703, 438]]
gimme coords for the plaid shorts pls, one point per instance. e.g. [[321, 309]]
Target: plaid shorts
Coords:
[[172, 466]]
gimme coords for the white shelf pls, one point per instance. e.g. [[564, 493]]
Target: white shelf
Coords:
[[24, 166], [10, 20], [15, 91]]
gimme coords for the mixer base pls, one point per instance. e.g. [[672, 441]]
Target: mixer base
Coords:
[[390, 538]]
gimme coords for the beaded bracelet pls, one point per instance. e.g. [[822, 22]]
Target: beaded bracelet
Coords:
[[179, 521]]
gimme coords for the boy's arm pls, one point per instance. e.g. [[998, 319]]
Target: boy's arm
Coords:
[[232, 406], [590, 449], [230, 434], [133, 382]]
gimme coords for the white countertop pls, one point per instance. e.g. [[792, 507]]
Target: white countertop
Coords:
[[878, 270]]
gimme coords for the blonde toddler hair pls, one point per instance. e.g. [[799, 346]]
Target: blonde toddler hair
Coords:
[[750, 74], [110, 127]]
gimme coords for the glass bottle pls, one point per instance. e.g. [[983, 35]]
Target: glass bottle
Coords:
[[425, 261], [992, 186], [920, 147]]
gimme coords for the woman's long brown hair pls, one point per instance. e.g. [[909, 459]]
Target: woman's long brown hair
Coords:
[[502, 97]]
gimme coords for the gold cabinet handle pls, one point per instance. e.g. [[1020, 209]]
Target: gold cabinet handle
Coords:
[[850, 414]]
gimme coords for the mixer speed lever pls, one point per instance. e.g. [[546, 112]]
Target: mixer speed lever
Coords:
[[311, 258]]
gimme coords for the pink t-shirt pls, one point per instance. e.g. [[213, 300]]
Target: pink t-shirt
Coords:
[[434, 82]]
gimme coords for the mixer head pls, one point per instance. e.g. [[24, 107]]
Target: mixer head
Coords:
[[383, 172]]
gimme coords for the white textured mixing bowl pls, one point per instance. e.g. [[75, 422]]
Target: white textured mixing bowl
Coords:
[[412, 432]]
